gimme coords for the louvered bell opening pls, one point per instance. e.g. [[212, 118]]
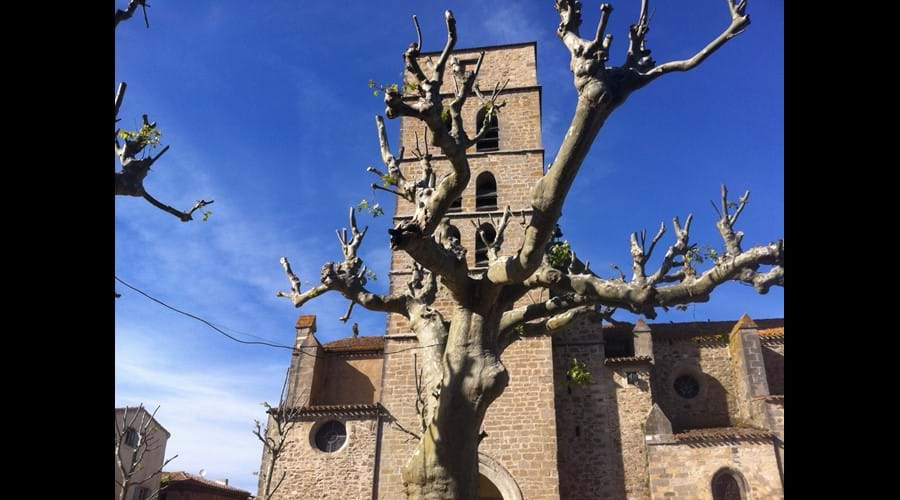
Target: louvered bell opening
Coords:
[[481, 253], [491, 139], [485, 192]]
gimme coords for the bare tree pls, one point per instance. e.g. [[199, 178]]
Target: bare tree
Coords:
[[274, 439], [134, 440], [463, 372], [130, 179]]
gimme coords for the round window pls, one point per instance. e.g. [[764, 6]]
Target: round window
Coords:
[[687, 386], [331, 436]]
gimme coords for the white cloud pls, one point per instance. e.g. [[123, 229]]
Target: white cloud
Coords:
[[208, 410]]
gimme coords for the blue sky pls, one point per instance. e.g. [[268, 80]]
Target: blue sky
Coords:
[[267, 110]]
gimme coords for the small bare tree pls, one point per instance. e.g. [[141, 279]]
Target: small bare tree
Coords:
[[130, 179], [275, 437], [140, 437]]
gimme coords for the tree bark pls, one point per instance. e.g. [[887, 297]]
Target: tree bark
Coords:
[[445, 463]]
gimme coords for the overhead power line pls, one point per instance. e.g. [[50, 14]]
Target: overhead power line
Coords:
[[263, 342]]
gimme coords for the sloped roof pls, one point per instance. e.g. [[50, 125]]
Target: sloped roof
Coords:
[[346, 409], [186, 478], [767, 327], [353, 344], [306, 321], [772, 327], [627, 359], [723, 433]]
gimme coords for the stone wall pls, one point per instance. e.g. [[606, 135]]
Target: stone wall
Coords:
[[686, 470], [398, 396], [750, 377], [514, 61], [348, 379], [520, 424], [599, 426], [708, 361], [346, 474]]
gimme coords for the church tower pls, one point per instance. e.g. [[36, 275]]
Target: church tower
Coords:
[[518, 458]]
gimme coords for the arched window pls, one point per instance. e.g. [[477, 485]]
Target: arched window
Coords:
[[481, 253], [456, 206], [728, 484], [491, 139], [485, 192]]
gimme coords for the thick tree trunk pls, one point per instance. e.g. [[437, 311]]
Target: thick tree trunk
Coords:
[[445, 463]]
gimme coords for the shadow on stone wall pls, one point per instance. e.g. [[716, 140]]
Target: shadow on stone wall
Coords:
[[774, 362], [589, 448], [342, 384], [709, 365]]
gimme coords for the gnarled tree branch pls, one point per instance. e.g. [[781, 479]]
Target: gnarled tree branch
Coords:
[[643, 296], [347, 277], [499, 227], [601, 90], [122, 15], [739, 21], [130, 180]]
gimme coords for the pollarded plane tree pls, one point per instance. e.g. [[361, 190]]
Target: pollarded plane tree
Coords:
[[462, 353], [133, 158]]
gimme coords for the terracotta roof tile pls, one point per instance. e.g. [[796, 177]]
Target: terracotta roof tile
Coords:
[[354, 409], [628, 359], [352, 344], [306, 321], [185, 477], [772, 332], [665, 331], [723, 433]]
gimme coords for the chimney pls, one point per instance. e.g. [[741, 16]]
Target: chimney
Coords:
[[307, 350], [643, 342], [306, 325], [749, 369]]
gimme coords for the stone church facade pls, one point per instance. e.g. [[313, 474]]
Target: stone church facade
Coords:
[[684, 410]]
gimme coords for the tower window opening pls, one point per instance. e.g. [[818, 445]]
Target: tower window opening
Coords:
[[481, 251], [490, 141], [485, 192]]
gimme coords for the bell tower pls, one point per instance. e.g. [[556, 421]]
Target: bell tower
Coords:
[[505, 164]]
